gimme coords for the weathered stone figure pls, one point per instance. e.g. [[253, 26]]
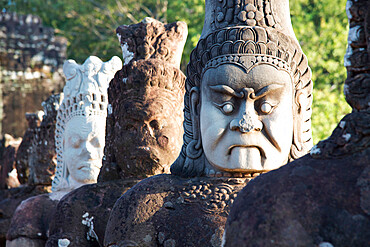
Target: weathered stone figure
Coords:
[[144, 129], [79, 141], [80, 130], [35, 163], [322, 199], [247, 111]]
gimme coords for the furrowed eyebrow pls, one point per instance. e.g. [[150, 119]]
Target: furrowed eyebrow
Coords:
[[266, 90], [226, 90]]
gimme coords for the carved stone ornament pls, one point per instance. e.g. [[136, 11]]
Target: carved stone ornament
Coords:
[[151, 39], [248, 92], [80, 128], [167, 210]]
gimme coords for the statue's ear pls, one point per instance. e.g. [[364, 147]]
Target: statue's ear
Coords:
[[302, 122], [195, 102], [298, 106]]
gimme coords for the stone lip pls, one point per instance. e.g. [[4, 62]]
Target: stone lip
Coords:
[[305, 203], [74, 209], [169, 210]]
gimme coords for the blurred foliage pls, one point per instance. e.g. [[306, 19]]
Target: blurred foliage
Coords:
[[320, 26], [90, 25], [328, 108]]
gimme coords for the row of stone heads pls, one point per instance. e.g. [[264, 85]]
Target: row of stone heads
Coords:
[[239, 116], [244, 126], [243, 109]]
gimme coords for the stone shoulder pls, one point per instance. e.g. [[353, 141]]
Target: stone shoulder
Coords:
[[32, 217]]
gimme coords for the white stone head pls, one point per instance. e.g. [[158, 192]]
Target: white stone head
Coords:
[[248, 92], [81, 119]]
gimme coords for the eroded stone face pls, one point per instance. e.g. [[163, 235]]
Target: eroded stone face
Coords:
[[83, 148], [152, 133], [246, 119], [81, 120]]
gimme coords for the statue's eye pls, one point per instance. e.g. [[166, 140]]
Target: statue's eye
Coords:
[[228, 108], [95, 142], [266, 108], [75, 142]]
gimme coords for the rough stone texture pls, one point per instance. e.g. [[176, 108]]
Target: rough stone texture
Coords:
[[167, 210], [34, 120], [30, 68], [146, 112], [352, 135], [357, 58], [42, 154], [32, 218], [97, 200], [10, 199], [151, 39], [146, 101], [304, 203], [8, 171]]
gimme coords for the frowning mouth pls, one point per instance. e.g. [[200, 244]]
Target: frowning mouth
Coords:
[[229, 151]]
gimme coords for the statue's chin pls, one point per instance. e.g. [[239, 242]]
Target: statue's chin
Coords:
[[239, 159], [87, 176]]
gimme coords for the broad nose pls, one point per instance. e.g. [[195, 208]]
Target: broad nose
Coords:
[[151, 127], [247, 120], [87, 149]]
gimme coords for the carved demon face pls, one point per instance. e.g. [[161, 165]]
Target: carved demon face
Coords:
[[246, 119], [84, 141], [149, 134]]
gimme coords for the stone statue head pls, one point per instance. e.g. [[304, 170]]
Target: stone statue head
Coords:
[[42, 154], [248, 92], [81, 119], [144, 124]]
